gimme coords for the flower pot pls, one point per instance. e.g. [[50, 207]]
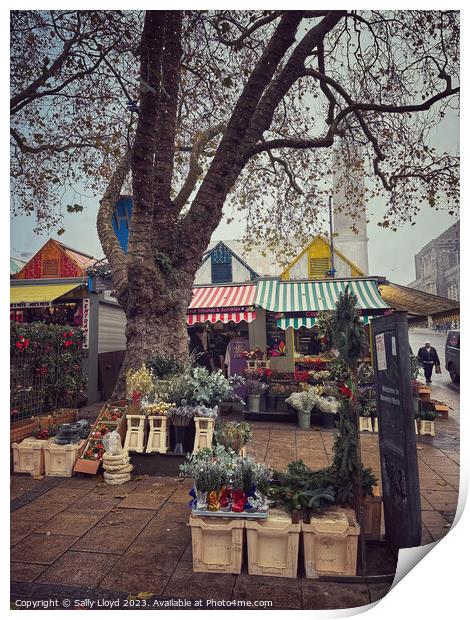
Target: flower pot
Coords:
[[28, 457], [201, 500], [330, 544], [415, 404], [180, 432], [273, 545], [254, 402], [365, 424], [217, 544], [303, 420], [270, 402], [327, 420], [281, 403], [427, 427]]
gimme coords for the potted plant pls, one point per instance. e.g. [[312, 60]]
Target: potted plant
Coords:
[[139, 385], [365, 419], [303, 402], [180, 417], [243, 485], [262, 478], [427, 424], [233, 435]]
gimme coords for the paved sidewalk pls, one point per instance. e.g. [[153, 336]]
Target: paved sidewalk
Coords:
[[79, 537]]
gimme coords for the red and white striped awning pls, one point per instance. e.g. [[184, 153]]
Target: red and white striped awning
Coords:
[[222, 303]]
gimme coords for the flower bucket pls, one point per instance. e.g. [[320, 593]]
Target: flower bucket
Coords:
[[327, 420], [303, 420], [254, 402]]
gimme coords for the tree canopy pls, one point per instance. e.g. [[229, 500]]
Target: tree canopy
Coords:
[[377, 80]]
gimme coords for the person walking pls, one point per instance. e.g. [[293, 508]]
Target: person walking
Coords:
[[428, 356], [197, 348]]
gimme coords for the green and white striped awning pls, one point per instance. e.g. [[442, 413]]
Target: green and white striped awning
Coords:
[[296, 322], [266, 294], [306, 321], [316, 295]]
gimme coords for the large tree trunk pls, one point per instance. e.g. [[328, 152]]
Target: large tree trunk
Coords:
[[151, 330]]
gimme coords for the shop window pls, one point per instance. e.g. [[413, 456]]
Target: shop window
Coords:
[[319, 267], [50, 267]]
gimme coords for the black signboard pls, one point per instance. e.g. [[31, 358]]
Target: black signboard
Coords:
[[397, 435]]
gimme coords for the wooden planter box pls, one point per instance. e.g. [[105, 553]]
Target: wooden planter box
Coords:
[[158, 434], [134, 441], [44, 421], [427, 427], [273, 545], [204, 433], [372, 515], [63, 416], [28, 457], [91, 466], [442, 411], [60, 460], [330, 545], [22, 430], [424, 393], [365, 424], [217, 544]]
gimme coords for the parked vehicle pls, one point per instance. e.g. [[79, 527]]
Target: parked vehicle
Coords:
[[453, 355]]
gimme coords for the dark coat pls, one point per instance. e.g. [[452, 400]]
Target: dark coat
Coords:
[[196, 348], [428, 355]]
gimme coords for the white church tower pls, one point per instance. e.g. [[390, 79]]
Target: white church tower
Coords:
[[349, 211]]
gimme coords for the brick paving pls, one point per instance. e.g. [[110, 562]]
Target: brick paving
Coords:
[[79, 537]]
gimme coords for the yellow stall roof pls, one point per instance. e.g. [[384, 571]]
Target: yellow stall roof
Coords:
[[39, 293]]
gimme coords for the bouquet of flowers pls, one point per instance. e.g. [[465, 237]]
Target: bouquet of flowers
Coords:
[[304, 402], [197, 386], [161, 408], [200, 411], [319, 375], [139, 382], [233, 435], [327, 404], [182, 415]]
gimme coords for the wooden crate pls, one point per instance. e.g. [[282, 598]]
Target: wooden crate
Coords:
[[134, 441], [60, 460], [88, 466], [63, 416], [158, 440], [442, 411], [273, 545], [28, 457], [424, 393], [204, 433], [330, 544], [372, 515], [427, 427], [23, 429], [365, 424], [217, 544]]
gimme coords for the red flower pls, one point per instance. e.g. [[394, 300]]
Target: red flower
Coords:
[[22, 343], [346, 391]]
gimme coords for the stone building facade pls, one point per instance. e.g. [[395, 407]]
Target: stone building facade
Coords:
[[437, 265]]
